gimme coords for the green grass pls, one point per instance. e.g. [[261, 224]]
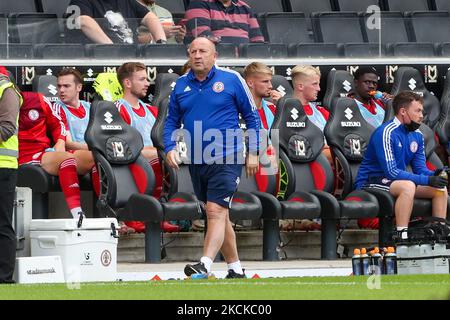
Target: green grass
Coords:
[[392, 287]]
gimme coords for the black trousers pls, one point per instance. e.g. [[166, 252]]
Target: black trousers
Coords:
[[8, 180]]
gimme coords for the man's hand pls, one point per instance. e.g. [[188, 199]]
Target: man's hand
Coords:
[[275, 96], [60, 145], [440, 170], [173, 159], [179, 37], [251, 164], [437, 182]]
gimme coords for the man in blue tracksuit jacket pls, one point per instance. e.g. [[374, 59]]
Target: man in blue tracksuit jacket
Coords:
[[392, 147], [207, 102]]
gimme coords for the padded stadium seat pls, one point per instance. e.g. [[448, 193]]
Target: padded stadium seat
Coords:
[[245, 205], [18, 6], [263, 50], [47, 85], [259, 6], [308, 6], [127, 179], [310, 174], [174, 6], [337, 27], [339, 84], [393, 28], [314, 50], [442, 128], [282, 85], [408, 78], [227, 50], [444, 49], [355, 5], [107, 51], [59, 51], [349, 145], [442, 5], [3, 29], [363, 50], [407, 5], [163, 51], [34, 28], [55, 6], [16, 51], [411, 49], [164, 84], [287, 28], [430, 26]]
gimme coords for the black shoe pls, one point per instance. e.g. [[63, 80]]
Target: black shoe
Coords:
[[198, 268], [234, 275], [7, 281], [81, 216]]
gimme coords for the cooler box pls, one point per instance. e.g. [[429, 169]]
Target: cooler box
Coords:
[[88, 253]]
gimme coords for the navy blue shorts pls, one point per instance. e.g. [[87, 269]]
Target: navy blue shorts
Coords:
[[380, 183], [215, 182]]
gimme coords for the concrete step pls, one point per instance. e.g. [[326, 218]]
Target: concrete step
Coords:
[[187, 246]]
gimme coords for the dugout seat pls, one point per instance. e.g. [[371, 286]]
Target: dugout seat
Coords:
[[429, 26], [164, 84], [263, 50], [408, 78], [55, 6], [363, 50], [282, 85], [309, 173], [337, 27], [339, 84], [106, 51], [164, 51], [259, 6], [287, 27], [34, 28], [355, 5], [393, 28], [406, 5], [411, 49], [59, 50], [349, 144], [442, 127], [314, 50], [18, 6], [47, 85], [127, 179]]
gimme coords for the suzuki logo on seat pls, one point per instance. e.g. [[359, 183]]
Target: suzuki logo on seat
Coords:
[[108, 117], [347, 85], [52, 89], [294, 114], [412, 83], [348, 113]]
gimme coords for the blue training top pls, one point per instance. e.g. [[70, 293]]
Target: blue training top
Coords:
[[214, 103], [391, 149]]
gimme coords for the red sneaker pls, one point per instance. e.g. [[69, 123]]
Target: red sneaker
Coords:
[[368, 223], [168, 227], [138, 226]]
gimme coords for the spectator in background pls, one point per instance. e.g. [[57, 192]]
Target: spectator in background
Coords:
[[174, 33], [133, 78], [10, 101], [116, 21], [222, 21]]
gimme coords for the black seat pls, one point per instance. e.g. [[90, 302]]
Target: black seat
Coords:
[[282, 85], [337, 27], [407, 5], [174, 6], [339, 84], [314, 50], [308, 6], [3, 29], [429, 26], [59, 51], [442, 5], [164, 51], [363, 50], [164, 84], [227, 50], [355, 5], [408, 78], [106, 51], [411, 49], [444, 49], [116, 148], [47, 85], [34, 28], [393, 28], [310, 174], [16, 51], [442, 128], [245, 205], [258, 6], [18, 6], [287, 27], [263, 50], [55, 6]]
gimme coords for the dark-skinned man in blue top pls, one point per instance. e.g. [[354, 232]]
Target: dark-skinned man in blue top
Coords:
[[207, 102], [392, 147]]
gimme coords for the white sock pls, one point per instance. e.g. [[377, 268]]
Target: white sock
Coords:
[[75, 212], [207, 263], [404, 233], [236, 267]]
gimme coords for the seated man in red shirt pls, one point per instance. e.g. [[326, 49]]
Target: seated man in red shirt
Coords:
[[133, 78], [37, 119]]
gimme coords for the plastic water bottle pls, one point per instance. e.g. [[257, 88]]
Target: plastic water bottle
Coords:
[[365, 262], [356, 262], [376, 94], [444, 175], [376, 262], [390, 261]]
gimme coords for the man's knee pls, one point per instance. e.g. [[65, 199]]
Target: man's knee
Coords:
[[215, 211], [404, 188]]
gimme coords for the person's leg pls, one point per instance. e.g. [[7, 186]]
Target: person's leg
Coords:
[[85, 161], [217, 217], [8, 178], [438, 199], [63, 164], [404, 191]]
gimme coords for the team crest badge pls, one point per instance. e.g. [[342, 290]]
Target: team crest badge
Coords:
[[218, 87], [33, 115], [413, 146]]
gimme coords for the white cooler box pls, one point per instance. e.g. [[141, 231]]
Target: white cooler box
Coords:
[[87, 254]]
